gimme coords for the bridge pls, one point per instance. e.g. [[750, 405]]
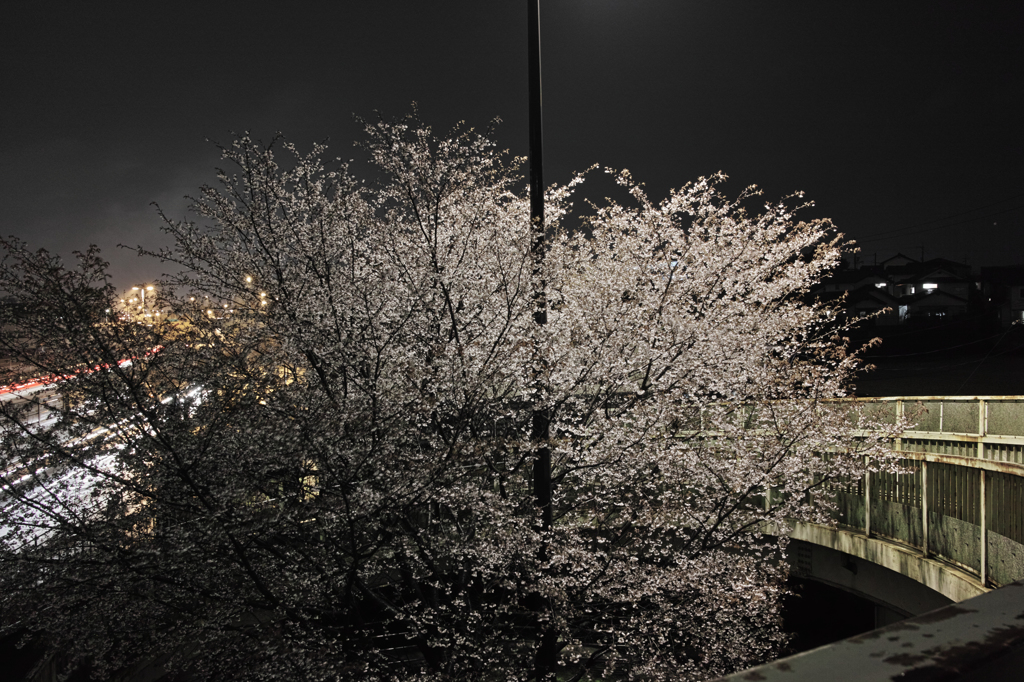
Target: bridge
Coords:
[[942, 543]]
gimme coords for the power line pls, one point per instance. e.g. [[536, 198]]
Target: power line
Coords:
[[880, 235], [932, 352], [973, 371], [887, 235], [931, 368], [957, 320]]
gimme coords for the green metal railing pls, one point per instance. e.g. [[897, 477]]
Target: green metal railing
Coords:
[[960, 498]]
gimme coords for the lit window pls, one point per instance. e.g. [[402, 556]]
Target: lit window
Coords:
[[879, 285], [930, 285]]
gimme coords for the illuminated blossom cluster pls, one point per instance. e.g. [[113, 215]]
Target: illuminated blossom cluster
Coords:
[[335, 480]]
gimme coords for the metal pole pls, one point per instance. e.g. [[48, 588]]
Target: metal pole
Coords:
[[867, 502], [984, 534], [541, 418], [536, 129], [924, 508], [898, 444], [982, 427], [546, 660]]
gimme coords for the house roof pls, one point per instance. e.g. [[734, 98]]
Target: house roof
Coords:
[[898, 260], [909, 274], [933, 297], [870, 297], [942, 276], [957, 268]]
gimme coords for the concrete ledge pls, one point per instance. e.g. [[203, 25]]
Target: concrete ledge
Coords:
[[981, 640], [952, 583]]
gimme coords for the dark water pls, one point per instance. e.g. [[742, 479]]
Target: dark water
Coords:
[[15, 662], [818, 614]]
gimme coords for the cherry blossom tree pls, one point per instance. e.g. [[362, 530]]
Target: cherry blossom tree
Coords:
[[320, 467]]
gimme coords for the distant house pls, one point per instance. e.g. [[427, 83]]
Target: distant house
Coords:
[[866, 301], [938, 275], [899, 260], [902, 288], [900, 265], [931, 303], [872, 301], [962, 270], [926, 281], [1003, 290], [1016, 307]]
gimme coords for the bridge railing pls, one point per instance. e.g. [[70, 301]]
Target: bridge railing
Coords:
[[961, 498]]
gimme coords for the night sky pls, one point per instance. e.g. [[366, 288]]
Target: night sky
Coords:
[[902, 121]]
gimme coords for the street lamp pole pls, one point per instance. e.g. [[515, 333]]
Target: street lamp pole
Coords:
[[547, 643], [541, 417], [536, 133]]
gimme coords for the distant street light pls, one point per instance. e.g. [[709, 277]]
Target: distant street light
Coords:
[[142, 290], [142, 295]]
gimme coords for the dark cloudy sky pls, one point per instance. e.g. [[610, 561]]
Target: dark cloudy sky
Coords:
[[901, 120]]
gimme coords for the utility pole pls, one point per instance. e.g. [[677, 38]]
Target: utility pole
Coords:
[[541, 418], [547, 640]]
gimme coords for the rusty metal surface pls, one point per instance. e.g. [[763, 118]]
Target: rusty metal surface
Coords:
[[927, 398], [985, 633], [1011, 468], [964, 437]]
